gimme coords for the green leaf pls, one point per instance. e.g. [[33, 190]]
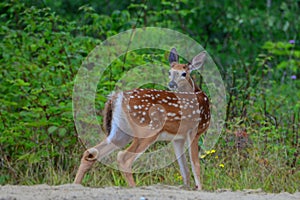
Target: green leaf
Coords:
[[20, 82], [52, 129], [62, 132]]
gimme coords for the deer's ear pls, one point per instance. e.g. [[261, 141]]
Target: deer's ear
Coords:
[[173, 57], [198, 61]]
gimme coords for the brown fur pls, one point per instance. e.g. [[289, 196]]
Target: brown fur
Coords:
[[107, 117]]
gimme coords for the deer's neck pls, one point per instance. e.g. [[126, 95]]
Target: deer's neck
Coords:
[[188, 86], [192, 86]]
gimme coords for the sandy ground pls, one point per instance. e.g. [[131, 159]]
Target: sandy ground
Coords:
[[78, 192]]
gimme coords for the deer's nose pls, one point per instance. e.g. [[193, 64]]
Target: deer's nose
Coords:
[[172, 85]]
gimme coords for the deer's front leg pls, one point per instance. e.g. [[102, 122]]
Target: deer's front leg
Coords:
[[194, 156], [181, 159]]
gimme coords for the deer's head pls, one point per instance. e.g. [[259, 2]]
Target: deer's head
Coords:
[[179, 74]]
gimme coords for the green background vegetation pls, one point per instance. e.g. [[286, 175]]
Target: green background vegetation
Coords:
[[254, 43]]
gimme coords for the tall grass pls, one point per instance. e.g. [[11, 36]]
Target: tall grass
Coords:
[[226, 166]]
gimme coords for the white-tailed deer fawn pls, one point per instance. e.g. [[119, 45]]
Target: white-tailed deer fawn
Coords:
[[144, 116]]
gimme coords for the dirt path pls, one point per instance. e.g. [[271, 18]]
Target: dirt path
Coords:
[[66, 192]]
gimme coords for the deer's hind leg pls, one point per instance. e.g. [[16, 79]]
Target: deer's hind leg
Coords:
[[117, 139], [127, 157]]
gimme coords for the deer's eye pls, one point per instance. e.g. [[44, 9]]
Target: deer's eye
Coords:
[[183, 74]]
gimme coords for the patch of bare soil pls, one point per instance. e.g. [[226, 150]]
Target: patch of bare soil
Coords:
[[71, 191]]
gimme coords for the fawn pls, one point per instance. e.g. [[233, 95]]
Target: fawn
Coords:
[[144, 116]]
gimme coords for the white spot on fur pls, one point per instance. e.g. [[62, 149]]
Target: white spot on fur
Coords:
[[171, 114]]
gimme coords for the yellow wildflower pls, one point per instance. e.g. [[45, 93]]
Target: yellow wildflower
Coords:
[[221, 165], [213, 151], [178, 177], [202, 156], [210, 152]]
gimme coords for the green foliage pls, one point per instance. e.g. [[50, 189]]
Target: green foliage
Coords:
[[39, 60], [255, 45]]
